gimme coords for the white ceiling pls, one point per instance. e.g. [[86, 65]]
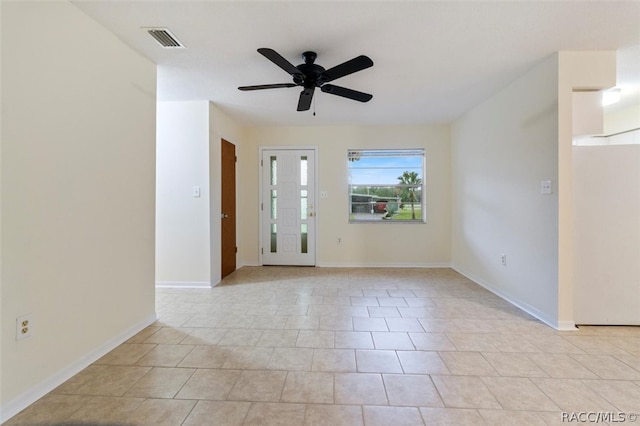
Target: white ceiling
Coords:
[[433, 60]]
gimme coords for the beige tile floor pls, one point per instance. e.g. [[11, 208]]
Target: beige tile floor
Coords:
[[316, 346]]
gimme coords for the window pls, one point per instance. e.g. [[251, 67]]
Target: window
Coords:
[[386, 186]]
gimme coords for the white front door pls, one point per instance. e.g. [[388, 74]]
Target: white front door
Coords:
[[288, 207]]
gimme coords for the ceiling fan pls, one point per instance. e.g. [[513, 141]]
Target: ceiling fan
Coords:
[[310, 75]]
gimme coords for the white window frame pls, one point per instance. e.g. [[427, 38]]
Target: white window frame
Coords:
[[386, 208]]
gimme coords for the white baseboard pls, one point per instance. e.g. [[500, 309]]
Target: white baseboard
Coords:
[[381, 265], [28, 397], [532, 310], [370, 265], [183, 284], [567, 326]]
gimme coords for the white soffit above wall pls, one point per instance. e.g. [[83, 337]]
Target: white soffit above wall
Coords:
[[433, 60]]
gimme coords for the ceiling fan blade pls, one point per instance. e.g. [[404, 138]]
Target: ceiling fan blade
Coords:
[[277, 59], [346, 93], [266, 86], [304, 103], [354, 65]]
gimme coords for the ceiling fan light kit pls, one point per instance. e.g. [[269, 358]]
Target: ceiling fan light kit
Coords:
[[310, 76]]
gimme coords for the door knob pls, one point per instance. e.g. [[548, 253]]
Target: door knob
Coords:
[[224, 216]]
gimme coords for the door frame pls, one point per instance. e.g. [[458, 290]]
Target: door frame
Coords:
[[261, 200], [233, 205]]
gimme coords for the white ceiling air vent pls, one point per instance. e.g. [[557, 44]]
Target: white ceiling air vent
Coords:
[[165, 38]]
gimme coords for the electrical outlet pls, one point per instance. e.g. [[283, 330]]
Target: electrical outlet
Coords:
[[503, 259], [24, 326], [545, 187], [339, 242]]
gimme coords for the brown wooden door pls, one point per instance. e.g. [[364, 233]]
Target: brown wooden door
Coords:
[[228, 206]]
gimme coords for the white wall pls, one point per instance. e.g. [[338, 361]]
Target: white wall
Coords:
[[182, 220], [2, 416], [607, 234], [362, 244], [591, 70], [587, 114], [78, 171], [621, 127], [502, 150], [621, 120], [188, 227]]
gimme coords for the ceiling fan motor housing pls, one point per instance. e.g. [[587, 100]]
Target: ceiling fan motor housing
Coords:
[[311, 72]]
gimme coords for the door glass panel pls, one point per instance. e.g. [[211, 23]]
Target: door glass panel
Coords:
[[303, 170], [303, 238], [274, 238], [274, 170], [274, 204], [303, 204]]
